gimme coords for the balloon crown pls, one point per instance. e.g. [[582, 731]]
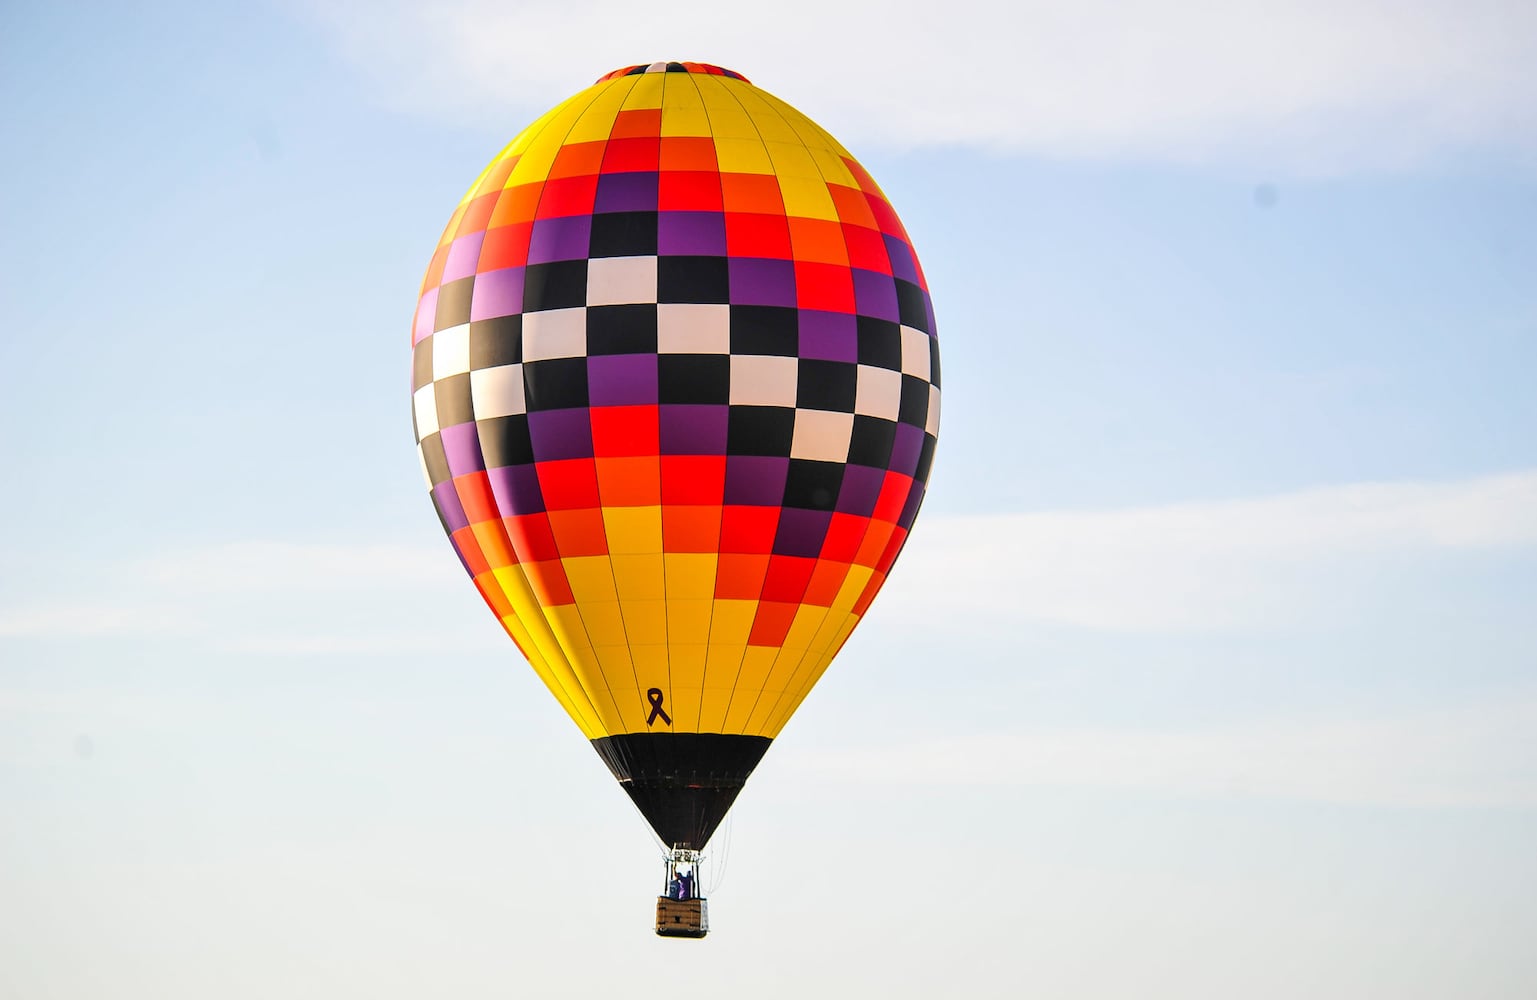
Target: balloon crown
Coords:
[[673, 67]]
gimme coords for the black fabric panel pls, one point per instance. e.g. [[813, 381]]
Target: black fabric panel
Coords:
[[813, 485], [826, 385], [453, 304], [623, 234], [683, 783], [504, 441], [880, 343], [496, 342], [914, 408], [872, 441], [694, 378], [627, 329], [556, 384], [760, 430], [911, 307], [421, 364], [693, 279], [767, 330], [558, 285]]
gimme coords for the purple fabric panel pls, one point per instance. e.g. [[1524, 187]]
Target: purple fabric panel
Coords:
[[497, 293], [450, 509], [516, 489], [558, 434], [875, 295], [701, 234], [694, 429], [829, 336], [756, 480], [463, 255], [426, 312], [622, 379], [461, 446], [801, 532], [565, 238], [757, 281], [901, 255], [861, 488], [906, 448], [629, 192]]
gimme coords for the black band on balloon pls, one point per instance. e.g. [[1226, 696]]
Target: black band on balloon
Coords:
[[683, 783]]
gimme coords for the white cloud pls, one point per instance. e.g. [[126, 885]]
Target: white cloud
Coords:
[[1198, 566], [1478, 755], [273, 597], [1194, 566], [1309, 84]]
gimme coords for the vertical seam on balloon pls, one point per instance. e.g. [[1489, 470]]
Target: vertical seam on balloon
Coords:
[[609, 555], [774, 710], [661, 508], [759, 604], [752, 712], [544, 613], [704, 672], [500, 528], [776, 104]]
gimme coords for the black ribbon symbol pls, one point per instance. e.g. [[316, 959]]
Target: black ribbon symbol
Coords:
[[655, 697]]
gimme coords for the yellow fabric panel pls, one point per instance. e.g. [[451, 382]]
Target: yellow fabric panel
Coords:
[[853, 586], [592, 579], [645, 622], [690, 575], [807, 620], [686, 673], [719, 681], [832, 167], [809, 132], [562, 685], [633, 529], [521, 141], [756, 664], [597, 121], [770, 123], [742, 156], [639, 577], [572, 673], [731, 622], [604, 621], [792, 160], [539, 155], [812, 672], [728, 119], [688, 621], [646, 94], [570, 631], [683, 110], [808, 198]]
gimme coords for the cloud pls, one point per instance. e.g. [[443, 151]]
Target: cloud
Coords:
[[1265, 562], [1198, 566], [1309, 84], [1478, 755], [271, 597]]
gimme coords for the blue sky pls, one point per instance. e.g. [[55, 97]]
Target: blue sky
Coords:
[[1211, 656]]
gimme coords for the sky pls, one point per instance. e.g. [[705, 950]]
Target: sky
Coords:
[[1209, 670]]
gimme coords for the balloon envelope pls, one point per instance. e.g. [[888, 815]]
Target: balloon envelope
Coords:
[[676, 395]]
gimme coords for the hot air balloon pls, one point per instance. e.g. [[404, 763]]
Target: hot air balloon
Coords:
[[675, 384]]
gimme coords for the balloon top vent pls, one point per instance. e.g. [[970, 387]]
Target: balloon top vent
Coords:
[[673, 67]]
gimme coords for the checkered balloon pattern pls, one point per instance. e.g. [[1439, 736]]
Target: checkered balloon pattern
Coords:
[[676, 395]]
